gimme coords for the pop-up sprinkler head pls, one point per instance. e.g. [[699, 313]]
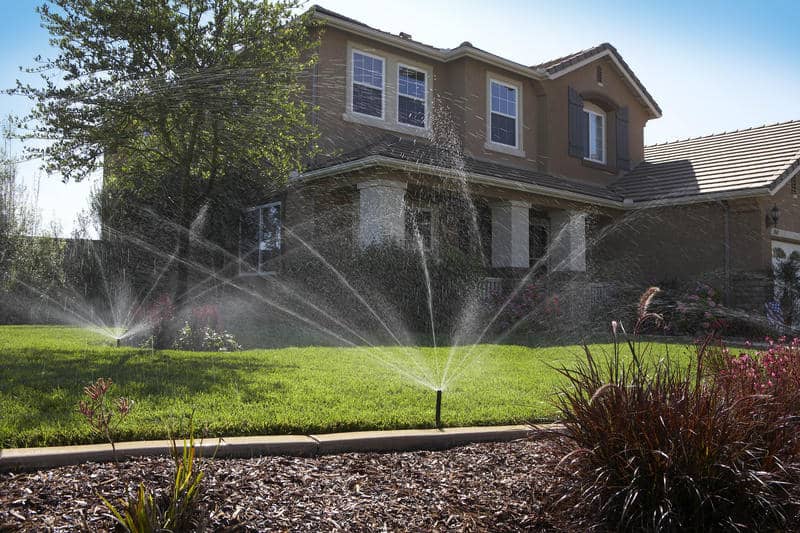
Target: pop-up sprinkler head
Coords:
[[119, 342], [439, 408]]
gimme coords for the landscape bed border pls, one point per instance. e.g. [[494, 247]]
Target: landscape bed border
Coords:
[[403, 440]]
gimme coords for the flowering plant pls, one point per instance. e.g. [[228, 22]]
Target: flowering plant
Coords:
[[203, 331], [700, 307], [531, 304], [775, 370], [101, 413], [206, 316]]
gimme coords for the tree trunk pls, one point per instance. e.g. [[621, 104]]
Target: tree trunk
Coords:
[[184, 251]]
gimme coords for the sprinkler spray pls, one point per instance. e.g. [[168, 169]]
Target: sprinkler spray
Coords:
[[438, 408]]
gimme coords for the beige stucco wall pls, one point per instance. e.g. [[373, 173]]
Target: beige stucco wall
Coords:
[[614, 93], [684, 242], [461, 87]]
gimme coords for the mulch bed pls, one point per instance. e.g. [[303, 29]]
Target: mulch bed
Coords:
[[492, 486]]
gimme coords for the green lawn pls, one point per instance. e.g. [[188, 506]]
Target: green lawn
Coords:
[[290, 390]]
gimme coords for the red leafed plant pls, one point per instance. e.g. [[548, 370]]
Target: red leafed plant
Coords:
[[206, 316], [654, 444], [100, 412]]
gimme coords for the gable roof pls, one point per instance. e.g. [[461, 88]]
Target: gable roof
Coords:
[[755, 161], [419, 155], [563, 65], [548, 70], [465, 49]]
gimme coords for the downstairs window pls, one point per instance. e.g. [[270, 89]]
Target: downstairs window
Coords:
[[260, 238], [420, 220]]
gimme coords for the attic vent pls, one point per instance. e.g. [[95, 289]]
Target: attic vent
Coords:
[[599, 75], [794, 187], [404, 35]]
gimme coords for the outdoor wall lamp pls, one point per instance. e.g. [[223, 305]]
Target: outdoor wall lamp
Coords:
[[772, 216]]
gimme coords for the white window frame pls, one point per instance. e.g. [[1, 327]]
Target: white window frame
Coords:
[[353, 83], [592, 109], [517, 149], [424, 98], [260, 208]]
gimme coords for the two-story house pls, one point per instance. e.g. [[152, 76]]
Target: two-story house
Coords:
[[551, 158]]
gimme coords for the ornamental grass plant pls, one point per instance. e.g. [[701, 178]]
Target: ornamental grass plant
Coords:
[[659, 445]]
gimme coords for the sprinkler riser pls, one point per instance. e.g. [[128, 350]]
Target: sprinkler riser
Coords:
[[439, 409]]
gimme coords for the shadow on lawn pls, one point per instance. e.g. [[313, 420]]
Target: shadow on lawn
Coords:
[[45, 386]]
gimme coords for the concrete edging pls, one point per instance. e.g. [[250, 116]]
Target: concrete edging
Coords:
[[17, 459]]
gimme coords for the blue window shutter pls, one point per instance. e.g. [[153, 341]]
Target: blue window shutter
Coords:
[[577, 128], [623, 146]]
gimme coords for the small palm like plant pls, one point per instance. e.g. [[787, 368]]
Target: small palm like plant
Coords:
[[144, 513]]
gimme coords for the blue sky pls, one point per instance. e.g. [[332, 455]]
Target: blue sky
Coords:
[[712, 66]]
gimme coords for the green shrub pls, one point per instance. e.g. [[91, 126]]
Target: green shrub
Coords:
[[205, 339], [390, 280], [660, 449]]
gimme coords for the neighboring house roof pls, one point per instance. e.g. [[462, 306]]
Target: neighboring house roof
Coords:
[[424, 156], [562, 65], [755, 161]]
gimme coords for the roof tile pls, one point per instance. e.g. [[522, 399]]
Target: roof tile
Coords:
[[753, 158]]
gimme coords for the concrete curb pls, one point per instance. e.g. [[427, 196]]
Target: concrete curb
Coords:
[[18, 459]]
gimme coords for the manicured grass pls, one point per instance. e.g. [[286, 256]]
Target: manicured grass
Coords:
[[289, 390]]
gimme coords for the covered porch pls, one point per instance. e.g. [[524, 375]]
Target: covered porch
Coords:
[[512, 235]]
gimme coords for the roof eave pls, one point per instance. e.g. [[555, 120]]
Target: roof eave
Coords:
[[472, 177], [650, 104], [785, 177], [700, 198], [483, 179], [421, 49]]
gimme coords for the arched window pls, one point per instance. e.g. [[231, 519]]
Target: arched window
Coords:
[[596, 145]]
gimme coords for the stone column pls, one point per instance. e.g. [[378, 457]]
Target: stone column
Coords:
[[510, 229], [568, 241], [381, 212]]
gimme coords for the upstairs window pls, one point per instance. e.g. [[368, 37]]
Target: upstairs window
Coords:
[[503, 113], [260, 239], [411, 92], [368, 77], [596, 142]]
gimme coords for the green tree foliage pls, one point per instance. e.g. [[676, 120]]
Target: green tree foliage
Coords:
[[31, 257], [185, 103]]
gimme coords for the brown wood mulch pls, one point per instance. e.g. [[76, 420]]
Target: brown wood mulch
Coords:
[[480, 487]]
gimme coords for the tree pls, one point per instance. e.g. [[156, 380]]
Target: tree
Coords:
[[181, 100], [31, 257], [11, 226]]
